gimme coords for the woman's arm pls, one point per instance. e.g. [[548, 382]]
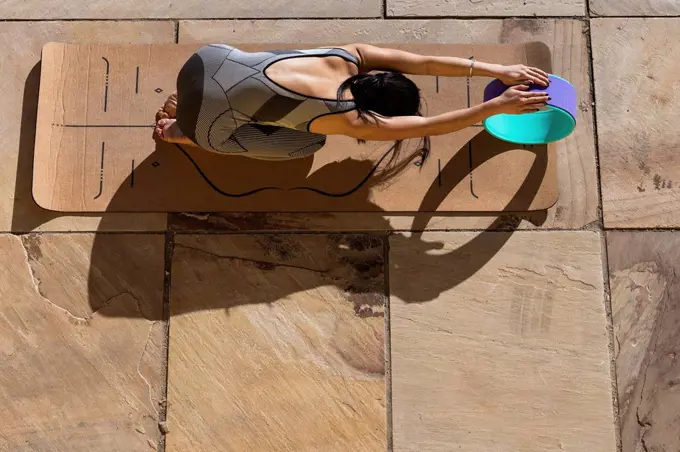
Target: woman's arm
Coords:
[[515, 100], [405, 127], [381, 58]]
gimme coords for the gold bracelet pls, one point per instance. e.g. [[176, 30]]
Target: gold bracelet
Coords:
[[471, 65]]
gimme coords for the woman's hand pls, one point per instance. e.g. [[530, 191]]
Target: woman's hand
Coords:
[[517, 100], [519, 73]]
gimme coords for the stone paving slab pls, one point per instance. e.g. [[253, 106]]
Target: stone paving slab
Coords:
[[499, 342], [81, 361], [277, 344], [643, 269], [496, 8], [635, 7], [577, 173], [638, 99], [21, 45], [191, 9]]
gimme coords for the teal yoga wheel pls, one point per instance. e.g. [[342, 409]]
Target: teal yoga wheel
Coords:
[[553, 123]]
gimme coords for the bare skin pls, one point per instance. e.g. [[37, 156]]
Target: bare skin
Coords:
[[166, 123], [320, 77]]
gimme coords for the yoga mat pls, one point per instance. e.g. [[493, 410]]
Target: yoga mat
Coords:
[[95, 151]]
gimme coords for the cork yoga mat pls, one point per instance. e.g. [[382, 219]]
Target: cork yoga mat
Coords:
[[95, 150]]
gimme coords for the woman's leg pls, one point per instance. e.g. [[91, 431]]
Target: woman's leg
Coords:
[[166, 123], [190, 85], [273, 142]]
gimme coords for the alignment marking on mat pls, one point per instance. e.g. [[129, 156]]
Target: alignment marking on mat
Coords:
[[101, 174], [472, 189], [132, 174], [106, 89], [137, 82], [439, 172], [124, 126], [424, 153], [352, 190], [467, 80], [215, 187], [257, 190]]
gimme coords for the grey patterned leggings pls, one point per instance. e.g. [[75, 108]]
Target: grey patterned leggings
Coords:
[[210, 107]]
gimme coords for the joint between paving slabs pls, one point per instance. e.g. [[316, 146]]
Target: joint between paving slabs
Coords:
[[581, 17], [612, 340], [163, 408], [605, 252], [593, 109], [388, 345]]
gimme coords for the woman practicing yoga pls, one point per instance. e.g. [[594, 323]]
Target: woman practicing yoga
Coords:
[[282, 104]]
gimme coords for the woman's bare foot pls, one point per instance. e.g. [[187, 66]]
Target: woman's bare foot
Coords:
[[167, 130], [162, 114], [169, 108], [170, 105]]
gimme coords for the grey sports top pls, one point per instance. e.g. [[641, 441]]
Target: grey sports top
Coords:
[[226, 103]]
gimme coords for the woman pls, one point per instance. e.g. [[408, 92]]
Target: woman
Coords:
[[283, 104]]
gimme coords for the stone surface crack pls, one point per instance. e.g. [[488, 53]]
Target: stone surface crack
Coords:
[[516, 271], [109, 301], [37, 283], [561, 351], [436, 328], [139, 369], [575, 280], [261, 264], [645, 425], [342, 402], [73, 318]]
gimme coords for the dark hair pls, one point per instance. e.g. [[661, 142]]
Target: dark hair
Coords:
[[387, 94]]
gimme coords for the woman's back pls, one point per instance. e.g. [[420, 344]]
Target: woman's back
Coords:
[[242, 95], [316, 76]]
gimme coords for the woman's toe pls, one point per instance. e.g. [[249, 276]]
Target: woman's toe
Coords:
[[161, 125], [162, 114]]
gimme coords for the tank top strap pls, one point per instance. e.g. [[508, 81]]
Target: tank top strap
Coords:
[[342, 53]]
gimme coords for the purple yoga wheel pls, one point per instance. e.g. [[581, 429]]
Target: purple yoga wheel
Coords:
[[555, 122]]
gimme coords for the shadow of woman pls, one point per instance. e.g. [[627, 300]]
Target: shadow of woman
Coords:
[[421, 279], [115, 270], [355, 263], [348, 257]]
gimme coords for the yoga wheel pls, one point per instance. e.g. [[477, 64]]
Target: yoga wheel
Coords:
[[552, 123]]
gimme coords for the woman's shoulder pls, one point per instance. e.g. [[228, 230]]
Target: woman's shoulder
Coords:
[[335, 123], [351, 49]]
